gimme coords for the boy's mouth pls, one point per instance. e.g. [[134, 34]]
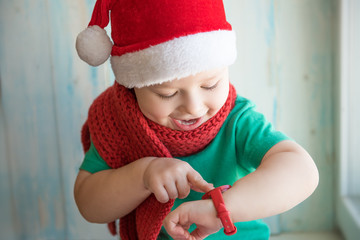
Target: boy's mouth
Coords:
[[187, 125], [187, 122]]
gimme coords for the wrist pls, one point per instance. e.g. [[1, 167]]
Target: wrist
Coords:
[[222, 212], [209, 204]]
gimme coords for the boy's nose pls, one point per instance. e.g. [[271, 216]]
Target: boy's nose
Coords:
[[193, 104]]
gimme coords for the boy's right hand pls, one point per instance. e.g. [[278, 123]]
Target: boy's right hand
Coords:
[[170, 178]]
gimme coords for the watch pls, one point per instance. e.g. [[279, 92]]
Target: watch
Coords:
[[222, 212]]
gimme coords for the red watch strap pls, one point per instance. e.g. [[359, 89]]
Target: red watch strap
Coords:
[[222, 212]]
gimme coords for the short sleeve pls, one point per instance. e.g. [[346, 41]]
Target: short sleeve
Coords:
[[255, 135], [93, 162]]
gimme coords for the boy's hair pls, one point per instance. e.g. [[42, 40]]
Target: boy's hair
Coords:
[[158, 41]]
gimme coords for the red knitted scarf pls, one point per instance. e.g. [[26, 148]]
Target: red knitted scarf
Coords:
[[121, 134]]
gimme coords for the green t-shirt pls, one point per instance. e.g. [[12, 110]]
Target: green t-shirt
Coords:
[[236, 151]]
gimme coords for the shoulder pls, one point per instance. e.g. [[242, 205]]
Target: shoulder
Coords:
[[242, 105], [243, 109]]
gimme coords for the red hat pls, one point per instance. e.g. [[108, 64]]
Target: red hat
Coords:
[[158, 40]]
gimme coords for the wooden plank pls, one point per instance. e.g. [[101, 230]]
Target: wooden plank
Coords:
[[31, 127], [348, 166], [6, 194], [256, 65], [353, 98], [75, 86], [306, 53]]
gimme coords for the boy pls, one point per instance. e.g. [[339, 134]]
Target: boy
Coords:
[[172, 122]]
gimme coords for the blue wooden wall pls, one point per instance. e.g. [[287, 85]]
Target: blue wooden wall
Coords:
[[287, 57]]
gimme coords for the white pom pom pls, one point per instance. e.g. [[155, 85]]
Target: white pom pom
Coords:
[[93, 45]]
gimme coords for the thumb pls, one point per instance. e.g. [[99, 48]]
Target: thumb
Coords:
[[197, 183]]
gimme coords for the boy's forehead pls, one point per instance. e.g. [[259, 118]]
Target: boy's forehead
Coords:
[[199, 77]]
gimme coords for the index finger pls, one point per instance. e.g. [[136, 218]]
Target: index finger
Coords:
[[197, 183]]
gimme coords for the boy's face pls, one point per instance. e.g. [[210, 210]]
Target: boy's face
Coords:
[[184, 104]]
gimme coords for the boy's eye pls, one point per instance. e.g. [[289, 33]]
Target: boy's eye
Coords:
[[167, 96], [210, 87]]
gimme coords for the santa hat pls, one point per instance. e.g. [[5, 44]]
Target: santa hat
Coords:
[[158, 40]]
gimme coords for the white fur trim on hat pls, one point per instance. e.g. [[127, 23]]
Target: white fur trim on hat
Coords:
[[94, 45], [178, 58]]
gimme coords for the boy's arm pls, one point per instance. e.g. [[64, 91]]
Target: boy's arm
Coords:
[[107, 195], [286, 176]]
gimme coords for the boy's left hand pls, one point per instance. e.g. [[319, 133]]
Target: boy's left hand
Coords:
[[201, 212]]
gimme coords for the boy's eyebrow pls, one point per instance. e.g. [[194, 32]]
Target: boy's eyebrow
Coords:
[[160, 87], [169, 85], [163, 85]]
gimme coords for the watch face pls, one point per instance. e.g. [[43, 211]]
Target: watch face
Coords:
[[224, 188]]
